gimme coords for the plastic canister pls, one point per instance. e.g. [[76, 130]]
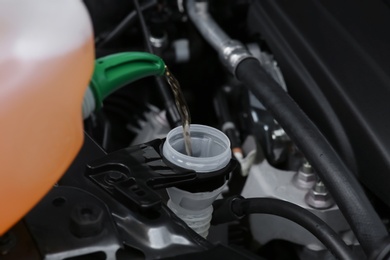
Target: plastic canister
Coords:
[[46, 60], [210, 152]]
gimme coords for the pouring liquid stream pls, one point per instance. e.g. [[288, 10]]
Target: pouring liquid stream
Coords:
[[181, 105]]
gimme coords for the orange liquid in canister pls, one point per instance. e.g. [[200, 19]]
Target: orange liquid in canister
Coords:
[[44, 71]]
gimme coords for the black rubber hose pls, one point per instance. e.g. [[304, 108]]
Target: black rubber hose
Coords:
[[302, 217], [225, 119], [341, 183], [170, 107]]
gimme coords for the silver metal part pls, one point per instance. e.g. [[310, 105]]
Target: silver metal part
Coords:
[[231, 52], [265, 181], [307, 168], [280, 135], [56, 232], [156, 126], [319, 197], [305, 177], [159, 42]]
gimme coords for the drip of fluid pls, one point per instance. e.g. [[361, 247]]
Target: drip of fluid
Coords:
[[181, 105]]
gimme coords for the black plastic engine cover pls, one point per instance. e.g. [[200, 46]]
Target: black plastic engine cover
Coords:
[[335, 56]]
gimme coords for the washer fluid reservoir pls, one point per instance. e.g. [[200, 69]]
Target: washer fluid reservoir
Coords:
[[46, 60]]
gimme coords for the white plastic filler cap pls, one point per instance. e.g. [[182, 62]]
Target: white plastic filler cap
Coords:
[[210, 149]]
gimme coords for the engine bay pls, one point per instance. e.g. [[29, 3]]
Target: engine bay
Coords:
[[288, 123]]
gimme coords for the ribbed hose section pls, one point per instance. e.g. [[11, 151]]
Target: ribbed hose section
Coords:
[[198, 220], [341, 183]]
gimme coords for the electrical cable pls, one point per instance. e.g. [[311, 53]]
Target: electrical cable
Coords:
[[226, 121], [302, 217], [341, 183], [237, 207], [124, 24], [144, 28], [169, 104]]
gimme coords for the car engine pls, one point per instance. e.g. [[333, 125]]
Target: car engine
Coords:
[[195, 129]]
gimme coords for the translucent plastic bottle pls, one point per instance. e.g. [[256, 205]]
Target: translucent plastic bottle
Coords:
[[46, 60]]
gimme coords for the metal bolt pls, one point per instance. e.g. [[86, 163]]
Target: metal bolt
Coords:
[[319, 197], [86, 220], [306, 167], [305, 177], [320, 187]]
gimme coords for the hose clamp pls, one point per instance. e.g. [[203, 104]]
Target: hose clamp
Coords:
[[232, 54]]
